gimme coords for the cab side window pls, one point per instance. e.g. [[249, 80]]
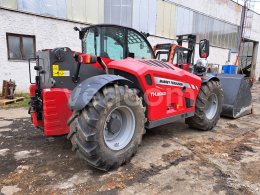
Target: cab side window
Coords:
[[90, 42], [137, 46], [106, 42], [113, 43], [174, 60]]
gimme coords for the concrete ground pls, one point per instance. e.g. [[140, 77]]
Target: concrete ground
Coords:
[[173, 159]]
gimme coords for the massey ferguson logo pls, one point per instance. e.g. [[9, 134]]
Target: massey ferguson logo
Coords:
[[155, 94], [170, 82]]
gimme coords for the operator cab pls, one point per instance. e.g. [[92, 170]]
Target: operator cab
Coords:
[[162, 51], [183, 57], [174, 54], [115, 42]]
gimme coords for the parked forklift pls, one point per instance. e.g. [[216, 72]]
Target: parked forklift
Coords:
[[105, 96], [236, 87]]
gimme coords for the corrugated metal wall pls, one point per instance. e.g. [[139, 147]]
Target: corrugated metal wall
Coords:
[[86, 10], [166, 17], [118, 12], [138, 14], [55, 8], [144, 15], [8, 4], [219, 33], [184, 21], [80, 10], [157, 17]]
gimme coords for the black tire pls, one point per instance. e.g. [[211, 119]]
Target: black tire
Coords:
[[200, 120], [87, 128]]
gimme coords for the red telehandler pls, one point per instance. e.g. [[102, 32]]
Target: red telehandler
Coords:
[[236, 87], [105, 96]]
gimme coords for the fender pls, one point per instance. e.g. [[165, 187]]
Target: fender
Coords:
[[209, 77], [85, 91]]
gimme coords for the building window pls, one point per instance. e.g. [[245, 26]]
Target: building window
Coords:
[[20, 47]]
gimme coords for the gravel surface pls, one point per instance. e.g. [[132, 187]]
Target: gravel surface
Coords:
[[172, 159]]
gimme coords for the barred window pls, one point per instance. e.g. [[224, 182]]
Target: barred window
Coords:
[[20, 47]]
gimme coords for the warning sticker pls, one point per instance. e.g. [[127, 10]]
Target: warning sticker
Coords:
[[59, 73], [55, 67]]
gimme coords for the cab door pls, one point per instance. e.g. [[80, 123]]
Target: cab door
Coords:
[[180, 58]]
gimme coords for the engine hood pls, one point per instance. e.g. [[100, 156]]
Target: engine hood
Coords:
[[139, 67]]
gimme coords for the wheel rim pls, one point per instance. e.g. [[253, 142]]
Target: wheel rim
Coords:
[[119, 128], [211, 106]]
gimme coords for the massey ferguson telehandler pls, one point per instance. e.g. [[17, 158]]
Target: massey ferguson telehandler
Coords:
[[236, 87], [105, 96]]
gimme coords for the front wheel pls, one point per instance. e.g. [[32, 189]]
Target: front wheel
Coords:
[[107, 132], [208, 107]]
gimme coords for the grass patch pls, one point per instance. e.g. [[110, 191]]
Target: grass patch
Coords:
[[23, 103]]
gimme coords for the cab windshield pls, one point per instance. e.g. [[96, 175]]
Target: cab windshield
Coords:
[[180, 56], [116, 43]]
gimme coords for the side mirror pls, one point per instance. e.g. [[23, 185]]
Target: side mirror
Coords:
[[76, 28], [85, 58], [204, 48]]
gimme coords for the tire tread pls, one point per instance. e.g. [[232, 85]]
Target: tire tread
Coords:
[[83, 128]]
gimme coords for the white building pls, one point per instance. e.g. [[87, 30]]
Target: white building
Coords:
[[28, 26]]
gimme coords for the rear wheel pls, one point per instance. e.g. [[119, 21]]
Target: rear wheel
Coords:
[[208, 107], [107, 132]]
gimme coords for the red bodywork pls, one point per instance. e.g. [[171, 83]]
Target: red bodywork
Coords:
[[56, 111], [163, 99], [183, 66], [162, 106]]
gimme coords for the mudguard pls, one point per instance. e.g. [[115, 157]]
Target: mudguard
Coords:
[[85, 91], [209, 77]]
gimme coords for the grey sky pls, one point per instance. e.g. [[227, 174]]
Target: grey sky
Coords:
[[256, 7]]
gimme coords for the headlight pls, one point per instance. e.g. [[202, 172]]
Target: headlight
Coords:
[[201, 66]]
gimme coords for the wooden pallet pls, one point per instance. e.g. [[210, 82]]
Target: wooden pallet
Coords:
[[4, 102]]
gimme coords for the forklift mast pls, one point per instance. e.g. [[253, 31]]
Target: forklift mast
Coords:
[[191, 39]]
